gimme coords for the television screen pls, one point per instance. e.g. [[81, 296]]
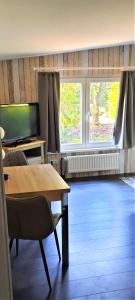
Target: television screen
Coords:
[[20, 121]]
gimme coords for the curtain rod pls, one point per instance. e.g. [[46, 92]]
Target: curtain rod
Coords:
[[41, 69]]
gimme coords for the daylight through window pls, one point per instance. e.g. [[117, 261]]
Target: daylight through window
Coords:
[[87, 112]]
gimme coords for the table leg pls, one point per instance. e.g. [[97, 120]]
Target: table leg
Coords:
[[65, 241], [42, 154]]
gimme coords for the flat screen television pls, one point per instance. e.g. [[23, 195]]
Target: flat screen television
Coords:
[[20, 122]]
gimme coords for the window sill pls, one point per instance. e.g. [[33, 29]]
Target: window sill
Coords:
[[107, 148]]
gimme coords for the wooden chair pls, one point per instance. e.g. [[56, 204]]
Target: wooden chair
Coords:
[[32, 219]]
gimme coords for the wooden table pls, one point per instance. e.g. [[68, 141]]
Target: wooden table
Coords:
[[32, 180]]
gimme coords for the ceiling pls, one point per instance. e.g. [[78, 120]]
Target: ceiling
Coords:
[[36, 27]]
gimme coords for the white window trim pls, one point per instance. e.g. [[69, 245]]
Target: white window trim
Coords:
[[86, 145]]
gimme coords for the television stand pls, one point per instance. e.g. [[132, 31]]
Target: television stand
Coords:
[[27, 146]]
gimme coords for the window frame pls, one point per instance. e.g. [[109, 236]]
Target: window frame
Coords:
[[85, 103]]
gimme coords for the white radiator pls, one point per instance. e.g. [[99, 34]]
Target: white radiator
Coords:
[[95, 162]]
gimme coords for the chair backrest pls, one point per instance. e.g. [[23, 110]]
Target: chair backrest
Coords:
[[16, 158], [29, 218]]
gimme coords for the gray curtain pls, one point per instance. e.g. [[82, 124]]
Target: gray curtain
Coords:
[[49, 101], [124, 129]]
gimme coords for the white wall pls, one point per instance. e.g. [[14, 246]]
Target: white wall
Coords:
[[5, 275], [63, 25]]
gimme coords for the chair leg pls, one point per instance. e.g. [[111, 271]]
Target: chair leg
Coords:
[[57, 243], [10, 244], [45, 263], [17, 246]]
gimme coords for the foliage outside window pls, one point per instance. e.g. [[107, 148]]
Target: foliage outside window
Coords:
[[70, 113], [87, 112], [103, 104]]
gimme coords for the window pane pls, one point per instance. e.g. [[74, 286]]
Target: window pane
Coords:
[[103, 107], [70, 113]]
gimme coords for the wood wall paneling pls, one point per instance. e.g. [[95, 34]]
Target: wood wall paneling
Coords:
[[18, 80], [27, 80], [101, 61], [116, 62], [90, 55], [48, 61], [16, 83], [132, 56], [126, 55], [58, 60], [2, 92], [33, 80], [10, 83], [121, 55], [107, 63], [36, 76], [95, 61], [21, 80], [41, 61], [5, 79], [83, 62]]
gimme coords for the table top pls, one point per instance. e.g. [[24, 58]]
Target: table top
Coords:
[[32, 180]]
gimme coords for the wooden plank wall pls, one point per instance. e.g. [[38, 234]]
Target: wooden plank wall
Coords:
[[18, 80]]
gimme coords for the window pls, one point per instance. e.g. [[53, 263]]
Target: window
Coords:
[[87, 112]]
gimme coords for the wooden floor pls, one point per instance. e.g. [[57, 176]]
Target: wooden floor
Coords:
[[102, 248]]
